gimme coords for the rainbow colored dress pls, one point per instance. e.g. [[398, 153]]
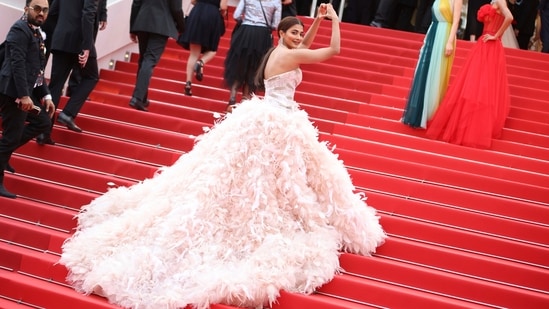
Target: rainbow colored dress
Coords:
[[432, 69]]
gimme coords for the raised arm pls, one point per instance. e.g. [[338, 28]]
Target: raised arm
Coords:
[[320, 54], [502, 5]]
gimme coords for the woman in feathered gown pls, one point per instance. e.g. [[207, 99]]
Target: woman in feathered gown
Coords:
[[477, 102], [434, 64], [259, 205]]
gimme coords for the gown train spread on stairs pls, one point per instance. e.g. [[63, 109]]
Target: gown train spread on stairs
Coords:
[[258, 206]]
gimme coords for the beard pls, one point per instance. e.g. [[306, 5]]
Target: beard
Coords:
[[35, 21]]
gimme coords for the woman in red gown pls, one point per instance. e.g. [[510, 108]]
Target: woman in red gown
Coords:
[[476, 104]]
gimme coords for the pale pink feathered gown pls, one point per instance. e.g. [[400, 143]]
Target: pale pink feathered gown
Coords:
[[258, 206]]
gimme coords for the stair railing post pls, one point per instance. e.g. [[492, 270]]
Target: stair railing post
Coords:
[[313, 9]]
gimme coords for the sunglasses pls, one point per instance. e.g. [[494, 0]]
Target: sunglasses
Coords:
[[38, 9]]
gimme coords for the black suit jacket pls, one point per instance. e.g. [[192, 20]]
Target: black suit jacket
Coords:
[[23, 63], [75, 22], [164, 17]]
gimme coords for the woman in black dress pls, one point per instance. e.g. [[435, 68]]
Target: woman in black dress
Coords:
[[204, 27]]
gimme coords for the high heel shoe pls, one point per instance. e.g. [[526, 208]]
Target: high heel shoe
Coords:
[[188, 88], [198, 70], [231, 105]]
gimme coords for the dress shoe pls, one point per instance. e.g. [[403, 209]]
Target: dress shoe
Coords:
[[69, 122], [138, 105], [9, 168], [376, 24], [6, 193], [43, 139], [231, 105]]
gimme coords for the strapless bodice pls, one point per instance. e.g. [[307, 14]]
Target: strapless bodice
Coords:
[[280, 89]]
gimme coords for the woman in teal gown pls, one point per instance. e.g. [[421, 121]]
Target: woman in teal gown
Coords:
[[434, 64]]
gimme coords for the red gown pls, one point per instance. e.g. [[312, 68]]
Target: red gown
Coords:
[[477, 102]]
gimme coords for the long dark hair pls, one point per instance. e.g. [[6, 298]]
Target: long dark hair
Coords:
[[285, 24]]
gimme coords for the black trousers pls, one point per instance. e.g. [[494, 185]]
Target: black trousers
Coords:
[[62, 65], [151, 47], [18, 127]]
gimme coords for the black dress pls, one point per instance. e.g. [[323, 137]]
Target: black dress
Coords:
[[248, 46], [204, 26]]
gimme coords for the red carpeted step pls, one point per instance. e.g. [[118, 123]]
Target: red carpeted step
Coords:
[[39, 214], [44, 294], [39, 238], [460, 218], [318, 301], [138, 133], [46, 192], [389, 295], [466, 180], [104, 91], [365, 69], [468, 241], [456, 261], [311, 80], [473, 163], [68, 175], [125, 149], [519, 133], [526, 138], [529, 114], [440, 282], [127, 115], [161, 116], [13, 304], [536, 72], [210, 88], [174, 101], [125, 168], [38, 264], [171, 109], [533, 129], [453, 197], [11, 258], [513, 155]]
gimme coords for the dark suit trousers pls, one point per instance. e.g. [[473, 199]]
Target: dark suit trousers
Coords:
[[385, 12], [15, 133], [62, 65], [151, 47]]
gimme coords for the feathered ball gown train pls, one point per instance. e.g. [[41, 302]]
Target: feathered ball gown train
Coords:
[[258, 206]]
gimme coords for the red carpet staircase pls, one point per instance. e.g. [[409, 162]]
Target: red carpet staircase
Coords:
[[467, 228]]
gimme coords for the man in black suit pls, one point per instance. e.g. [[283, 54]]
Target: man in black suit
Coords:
[[21, 82], [100, 24], [473, 27], [72, 44], [524, 15], [151, 23]]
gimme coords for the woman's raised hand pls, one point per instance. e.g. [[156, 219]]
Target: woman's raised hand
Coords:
[[330, 12], [322, 10]]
